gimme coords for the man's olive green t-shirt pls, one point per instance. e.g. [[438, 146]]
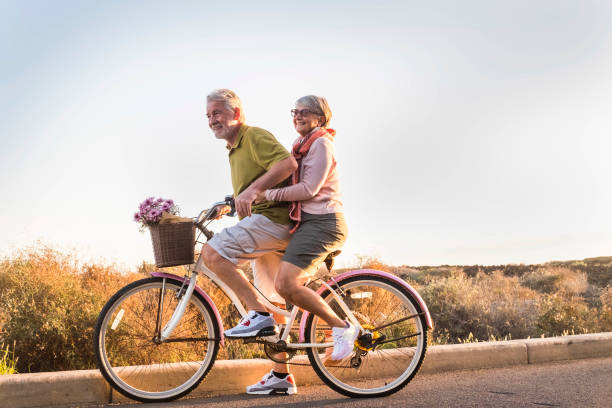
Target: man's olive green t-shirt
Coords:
[[253, 153]]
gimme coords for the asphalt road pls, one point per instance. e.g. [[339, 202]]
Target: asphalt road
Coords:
[[576, 383]]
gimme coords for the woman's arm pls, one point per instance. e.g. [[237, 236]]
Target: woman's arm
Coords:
[[277, 173], [314, 172]]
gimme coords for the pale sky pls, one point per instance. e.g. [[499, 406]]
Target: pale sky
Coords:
[[471, 132]]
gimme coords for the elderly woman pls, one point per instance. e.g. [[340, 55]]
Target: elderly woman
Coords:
[[319, 227]]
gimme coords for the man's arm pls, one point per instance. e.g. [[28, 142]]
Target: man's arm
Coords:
[[277, 173]]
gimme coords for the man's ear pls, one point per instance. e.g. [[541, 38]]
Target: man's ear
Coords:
[[236, 113]]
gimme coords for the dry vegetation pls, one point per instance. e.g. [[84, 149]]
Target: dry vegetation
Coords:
[[480, 303], [49, 303]]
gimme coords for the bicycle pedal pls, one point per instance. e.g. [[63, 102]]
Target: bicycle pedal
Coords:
[[272, 339], [268, 331]]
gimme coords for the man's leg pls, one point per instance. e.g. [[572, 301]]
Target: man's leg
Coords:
[[265, 269], [282, 368], [251, 238], [279, 380], [232, 277]]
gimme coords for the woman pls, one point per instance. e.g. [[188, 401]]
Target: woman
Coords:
[[319, 228]]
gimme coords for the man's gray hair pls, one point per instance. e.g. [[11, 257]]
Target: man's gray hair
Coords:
[[317, 104], [231, 100]]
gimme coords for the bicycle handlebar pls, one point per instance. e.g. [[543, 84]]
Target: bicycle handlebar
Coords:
[[213, 212]]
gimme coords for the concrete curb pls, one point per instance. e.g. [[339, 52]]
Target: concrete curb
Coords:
[[232, 376]]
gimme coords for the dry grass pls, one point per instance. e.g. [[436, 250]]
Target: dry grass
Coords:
[[49, 303], [8, 361], [48, 307]]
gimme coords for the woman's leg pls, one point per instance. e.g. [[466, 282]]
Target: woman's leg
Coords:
[[289, 284]]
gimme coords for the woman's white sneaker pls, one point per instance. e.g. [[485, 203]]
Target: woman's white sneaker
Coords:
[[344, 341]]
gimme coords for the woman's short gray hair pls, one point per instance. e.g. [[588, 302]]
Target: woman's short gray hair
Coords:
[[229, 97], [317, 104]]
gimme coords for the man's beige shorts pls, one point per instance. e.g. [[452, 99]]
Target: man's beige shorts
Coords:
[[259, 240]]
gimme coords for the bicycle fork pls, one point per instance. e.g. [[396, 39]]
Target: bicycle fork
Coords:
[[180, 309]]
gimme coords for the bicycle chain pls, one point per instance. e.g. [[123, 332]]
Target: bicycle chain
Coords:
[[281, 348]]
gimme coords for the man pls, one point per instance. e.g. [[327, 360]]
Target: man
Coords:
[[257, 162]]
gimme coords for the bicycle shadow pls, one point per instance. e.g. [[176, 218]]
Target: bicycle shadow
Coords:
[[240, 400]]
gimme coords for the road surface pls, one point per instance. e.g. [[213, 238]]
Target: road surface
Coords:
[[575, 383]]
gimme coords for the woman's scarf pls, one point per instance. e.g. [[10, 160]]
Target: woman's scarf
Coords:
[[300, 150]]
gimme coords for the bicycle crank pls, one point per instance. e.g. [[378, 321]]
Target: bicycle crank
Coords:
[[272, 350]]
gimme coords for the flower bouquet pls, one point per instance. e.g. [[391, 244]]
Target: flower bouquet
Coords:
[[150, 211], [173, 237]]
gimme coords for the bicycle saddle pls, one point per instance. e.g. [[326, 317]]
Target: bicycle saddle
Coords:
[[329, 260]]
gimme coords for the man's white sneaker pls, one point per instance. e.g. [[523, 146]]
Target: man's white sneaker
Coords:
[[253, 324], [344, 341], [271, 384]]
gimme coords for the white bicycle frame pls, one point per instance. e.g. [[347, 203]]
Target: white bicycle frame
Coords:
[[291, 314]]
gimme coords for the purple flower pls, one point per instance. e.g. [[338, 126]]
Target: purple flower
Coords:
[[154, 214], [150, 210]]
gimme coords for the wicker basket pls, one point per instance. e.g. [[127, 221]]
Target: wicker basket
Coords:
[[173, 243]]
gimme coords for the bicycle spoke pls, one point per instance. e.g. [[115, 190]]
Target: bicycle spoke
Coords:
[[149, 371], [398, 321], [400, 338], [392, 354]]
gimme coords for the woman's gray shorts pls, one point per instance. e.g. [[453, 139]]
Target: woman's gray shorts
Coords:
[[315, 238]]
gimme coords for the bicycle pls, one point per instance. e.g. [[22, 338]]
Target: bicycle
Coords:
[[157, 338]]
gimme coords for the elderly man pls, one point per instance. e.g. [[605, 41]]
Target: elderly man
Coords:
[[257, 162]]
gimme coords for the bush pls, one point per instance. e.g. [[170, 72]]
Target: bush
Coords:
[[49, 304], [562, 314], [48, 309], [605, 316], [484, 307], [555, 279]]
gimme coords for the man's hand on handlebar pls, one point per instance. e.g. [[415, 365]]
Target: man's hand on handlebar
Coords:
[[244, 200]]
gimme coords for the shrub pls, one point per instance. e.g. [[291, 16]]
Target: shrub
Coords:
[[48, 309], [563, 313], [555, 279], [370, 262], [483, 307], [543, 283], [605, 317], [49, 304]]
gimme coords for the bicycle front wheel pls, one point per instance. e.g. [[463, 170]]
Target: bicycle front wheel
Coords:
[[389, 351], [128, 350]]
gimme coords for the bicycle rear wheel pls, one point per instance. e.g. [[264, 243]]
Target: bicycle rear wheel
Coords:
[[134, 362], [388, 354]]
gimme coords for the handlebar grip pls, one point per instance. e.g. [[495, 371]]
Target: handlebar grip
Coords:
[[229, 200]]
